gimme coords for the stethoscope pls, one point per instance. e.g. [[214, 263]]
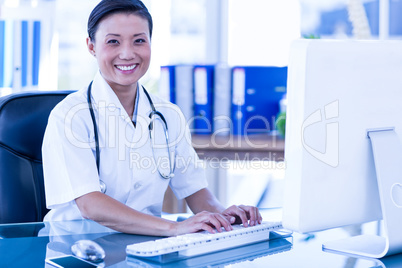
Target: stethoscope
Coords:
[[154, 113]]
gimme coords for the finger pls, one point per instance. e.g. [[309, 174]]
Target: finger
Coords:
[[259, 216], [228, 214], [229, 218], [215, 222], [204, 226], [224, 222], [239, 212], [255, 216], [252, 214], [219, 221]]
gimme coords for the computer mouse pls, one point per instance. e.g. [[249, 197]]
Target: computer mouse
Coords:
[[88, 250]]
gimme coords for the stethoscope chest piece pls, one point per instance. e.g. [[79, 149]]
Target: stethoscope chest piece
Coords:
[[103, 187]]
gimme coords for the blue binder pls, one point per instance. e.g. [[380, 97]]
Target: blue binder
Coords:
[[2, 50], [167, 86], [20, 45], [24, 53], [36, 52], [256, 92], [203, 99], [6, 53]]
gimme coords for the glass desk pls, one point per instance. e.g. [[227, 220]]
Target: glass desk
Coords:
[[27, 245]]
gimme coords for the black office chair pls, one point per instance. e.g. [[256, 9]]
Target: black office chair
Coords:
[[23, 119]]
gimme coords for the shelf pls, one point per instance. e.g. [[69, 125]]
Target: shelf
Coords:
[[257, 147]]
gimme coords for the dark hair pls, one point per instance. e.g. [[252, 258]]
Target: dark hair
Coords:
[[108, 7]]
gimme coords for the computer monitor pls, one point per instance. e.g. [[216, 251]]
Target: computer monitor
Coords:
[[345, 98]]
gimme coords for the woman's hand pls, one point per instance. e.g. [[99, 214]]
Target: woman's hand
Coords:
[[243, 214], [208, 221]]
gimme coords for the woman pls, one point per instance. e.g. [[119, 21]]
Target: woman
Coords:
[[120, 39]]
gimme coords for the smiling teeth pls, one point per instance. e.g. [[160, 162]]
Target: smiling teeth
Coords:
[[126, 68]]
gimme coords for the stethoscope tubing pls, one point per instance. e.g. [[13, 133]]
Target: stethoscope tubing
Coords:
[[150, 128]]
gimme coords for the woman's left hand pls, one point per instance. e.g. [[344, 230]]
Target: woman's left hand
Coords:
[[247, 215]]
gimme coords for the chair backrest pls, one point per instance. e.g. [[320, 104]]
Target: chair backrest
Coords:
[[23, 120]]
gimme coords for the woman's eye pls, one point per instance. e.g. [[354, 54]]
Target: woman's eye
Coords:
[[113, 42], [140, 41]]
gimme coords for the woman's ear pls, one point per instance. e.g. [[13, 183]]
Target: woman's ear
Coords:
[[91, 47]]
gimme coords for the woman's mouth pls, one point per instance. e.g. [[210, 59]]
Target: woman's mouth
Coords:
[[126, 67]]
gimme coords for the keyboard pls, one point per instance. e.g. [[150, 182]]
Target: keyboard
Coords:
[[223, 258], [204, 242]]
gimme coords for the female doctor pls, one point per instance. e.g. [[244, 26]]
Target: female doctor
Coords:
[[111, 149]]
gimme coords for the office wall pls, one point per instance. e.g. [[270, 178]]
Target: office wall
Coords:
[[261, 31]]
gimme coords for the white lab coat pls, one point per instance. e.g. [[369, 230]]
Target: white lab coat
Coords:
[[127, 163]]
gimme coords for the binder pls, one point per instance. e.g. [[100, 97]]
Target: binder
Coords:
[[2, 50], [256, 92], [20, 54], [17, 56], [222, 103], [203, 99], [167, 83], [24, 53], [6, 53], [184, 91], [36, 52]]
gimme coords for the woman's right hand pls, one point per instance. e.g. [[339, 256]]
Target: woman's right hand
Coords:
[[208, 221]]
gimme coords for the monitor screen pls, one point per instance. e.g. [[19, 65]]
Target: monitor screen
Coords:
[[337, 91]]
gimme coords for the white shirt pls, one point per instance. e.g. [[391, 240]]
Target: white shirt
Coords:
[[127, 163]]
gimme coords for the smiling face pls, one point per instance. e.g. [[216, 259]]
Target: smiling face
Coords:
[[122, 47]]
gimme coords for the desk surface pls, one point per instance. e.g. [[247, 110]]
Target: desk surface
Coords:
[[27, 245]]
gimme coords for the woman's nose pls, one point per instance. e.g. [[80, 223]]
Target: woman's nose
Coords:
[[127, 52]]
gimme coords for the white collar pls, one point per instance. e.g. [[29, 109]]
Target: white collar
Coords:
[[104, 97]]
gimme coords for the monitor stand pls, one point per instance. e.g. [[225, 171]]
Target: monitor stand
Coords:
[[387, 152]]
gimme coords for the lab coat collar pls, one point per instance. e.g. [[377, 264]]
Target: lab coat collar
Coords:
[[104, 97]]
